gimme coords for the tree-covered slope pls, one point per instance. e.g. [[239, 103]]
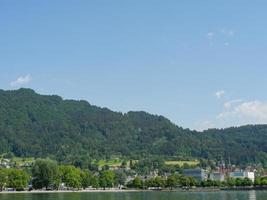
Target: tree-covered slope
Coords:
[[41, 126]]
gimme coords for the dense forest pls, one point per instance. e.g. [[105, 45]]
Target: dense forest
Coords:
[[33, 125]]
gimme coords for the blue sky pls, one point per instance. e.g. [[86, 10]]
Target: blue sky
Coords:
[[202, 64]]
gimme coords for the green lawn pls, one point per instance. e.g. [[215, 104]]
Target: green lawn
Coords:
[[117, 162], [182, 162], [22, 160], [110, 163]]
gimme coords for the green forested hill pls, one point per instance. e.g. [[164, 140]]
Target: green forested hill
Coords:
[[48, 126]]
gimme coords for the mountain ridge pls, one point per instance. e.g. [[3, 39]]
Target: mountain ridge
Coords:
[[50, 126]]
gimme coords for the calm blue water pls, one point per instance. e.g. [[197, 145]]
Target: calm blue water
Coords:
[[224, 195]]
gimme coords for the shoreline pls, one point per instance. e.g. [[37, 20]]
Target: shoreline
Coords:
[[133, 190], [68, 191]]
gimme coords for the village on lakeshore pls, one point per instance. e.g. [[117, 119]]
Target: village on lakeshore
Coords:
[[28, 174]]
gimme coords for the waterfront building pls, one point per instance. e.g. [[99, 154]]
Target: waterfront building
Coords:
[[198, 174], [243, 174], [217, 176]]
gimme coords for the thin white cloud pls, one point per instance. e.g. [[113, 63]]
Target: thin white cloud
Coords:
[[235, 113], [251, 112], [229, 104], [220, 94], [22, 80]]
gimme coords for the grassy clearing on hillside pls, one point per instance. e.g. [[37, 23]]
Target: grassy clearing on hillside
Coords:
[[19, 160], [110, 163], [118, 162], [22, 160], [182, 162]]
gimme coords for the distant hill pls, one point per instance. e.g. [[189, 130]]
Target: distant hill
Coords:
[[48, 126]]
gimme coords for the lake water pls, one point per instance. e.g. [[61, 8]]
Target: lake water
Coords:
[[223, 195]]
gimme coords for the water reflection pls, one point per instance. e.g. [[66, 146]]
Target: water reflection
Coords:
[[220, 195], [252, 195]]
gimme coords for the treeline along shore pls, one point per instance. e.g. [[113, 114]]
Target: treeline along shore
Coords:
[[47, 175]]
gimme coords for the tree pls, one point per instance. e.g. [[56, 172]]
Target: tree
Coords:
[[17, 179], [45, 174], [137, 183], [158, 182], [106, 179], [239, 182], [192, 181], [257, 181], [3, 178], [187, 181], [247, 182], [86, 178], [172, 181], [95, 182], [264, 181], [71, 176], [120, 177], [231, 182]]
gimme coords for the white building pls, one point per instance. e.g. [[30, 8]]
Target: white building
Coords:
[[251, 176], [243, 174], [217, 176]]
